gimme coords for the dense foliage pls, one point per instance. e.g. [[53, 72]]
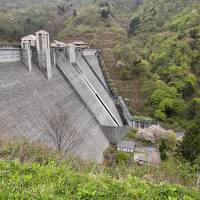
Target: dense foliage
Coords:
[[28, 171], [169, 59], [35, 181], [172, 49], [19, 18], [162, 46]]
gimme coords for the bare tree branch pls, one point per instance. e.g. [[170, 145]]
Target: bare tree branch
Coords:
[[61, 132]]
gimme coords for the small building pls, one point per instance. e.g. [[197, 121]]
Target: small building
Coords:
[[126, 146], [58, 44], [81, 44], [31, 39]]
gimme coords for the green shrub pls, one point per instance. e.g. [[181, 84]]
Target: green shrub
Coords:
[[171, 140], [34, 181], [163, 148], [132, 134], [123, 157], [134, 24]]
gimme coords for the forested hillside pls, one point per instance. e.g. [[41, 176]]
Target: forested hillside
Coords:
[[21, 4], [19, 18], [17, 4]]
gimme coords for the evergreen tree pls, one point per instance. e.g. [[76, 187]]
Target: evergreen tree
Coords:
[[190, 146], [134, 24], [163, 150]]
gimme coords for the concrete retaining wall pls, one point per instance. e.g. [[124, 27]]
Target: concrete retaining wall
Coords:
[[10, 54], [115, 133]]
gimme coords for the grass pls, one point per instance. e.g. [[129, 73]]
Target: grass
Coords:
[[30, 154], [52, 181]]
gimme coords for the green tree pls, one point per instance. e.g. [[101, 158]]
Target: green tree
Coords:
[[195, 107], [134, 24], [163, 149], [190, 146], [171, 140], [105, 12]]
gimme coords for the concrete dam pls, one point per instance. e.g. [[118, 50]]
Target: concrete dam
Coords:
[[40, 81]]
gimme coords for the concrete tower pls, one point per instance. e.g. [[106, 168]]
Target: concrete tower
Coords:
[[43, 52], [72, 53], [26, 54]]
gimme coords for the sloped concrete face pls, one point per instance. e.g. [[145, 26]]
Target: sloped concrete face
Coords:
[[115, 134], [26, 97], [92, 59], [99, 89], [91, 91], [73, 86]]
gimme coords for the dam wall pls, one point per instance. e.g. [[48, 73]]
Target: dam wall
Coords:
[[100, 89], [27, 98], [92, 59], [95, 100], [30, 99], [10, 54]]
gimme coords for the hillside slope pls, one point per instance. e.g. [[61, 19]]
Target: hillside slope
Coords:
[[150, 49], [35, 172], [132, 46], [34, 181], [22, 17], [152, 54], [23, 4], [101, 33]]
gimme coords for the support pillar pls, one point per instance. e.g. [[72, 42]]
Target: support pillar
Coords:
[[54, 58]]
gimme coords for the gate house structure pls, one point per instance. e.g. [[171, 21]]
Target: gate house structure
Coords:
[[39, 82]]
